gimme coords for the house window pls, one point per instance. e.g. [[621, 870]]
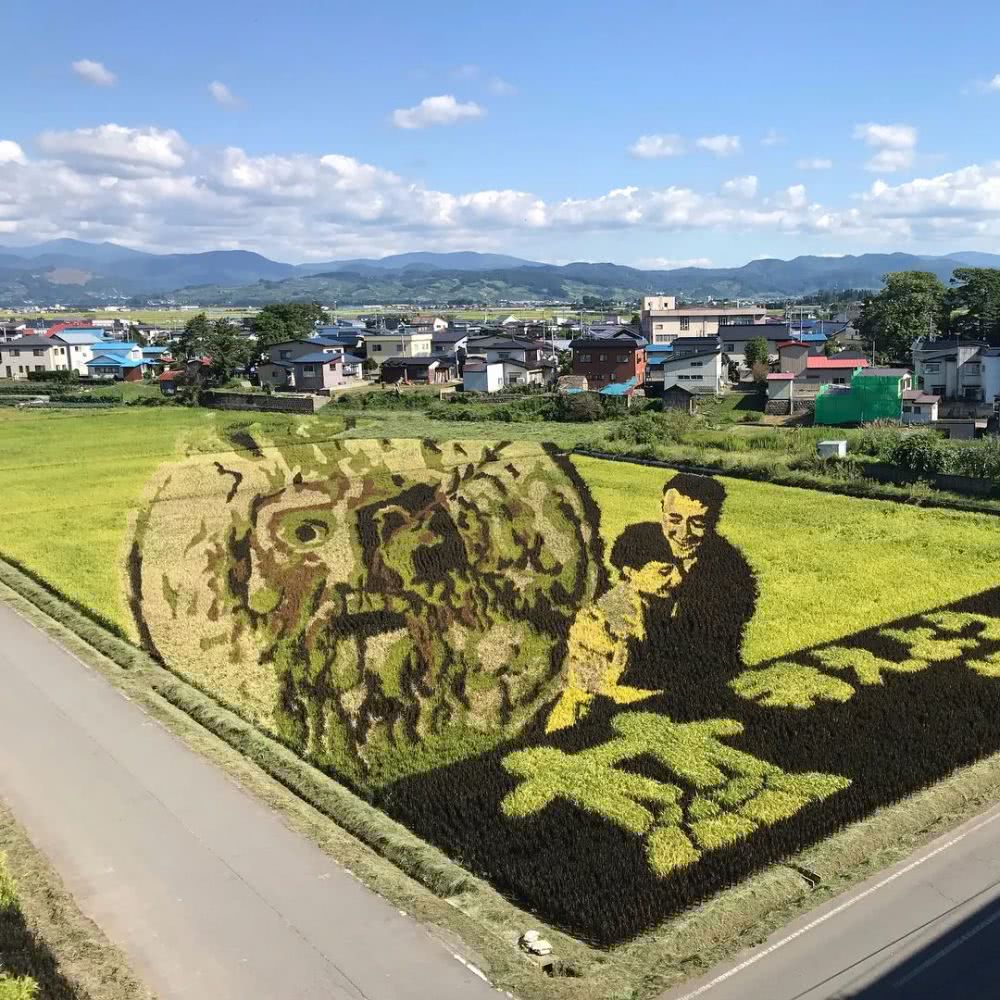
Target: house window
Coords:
[[602, 357], [729, 348], [933, 366], [377, 348], [308, 369], [907, 409], [38, 353], [839, 381], [15, 354], [623, 357], [685, 322], [584, 357], [284, 355], [697, 364], [39, 368], [503, 355]]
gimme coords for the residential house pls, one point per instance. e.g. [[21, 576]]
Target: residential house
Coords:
[[483, 376], [919, 407], [662, 320], [530, 351], [433, 323], [528, 372], [450, 342], [734, 340], [309, 366], [26, 354], [419, 369], [81, 343], [603, 360], [120, 361], [952, 368], [405, 342], [700, 371], [12, 330], [821, 370]]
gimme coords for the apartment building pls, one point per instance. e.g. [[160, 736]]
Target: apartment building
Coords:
[[406, 342], [663, 321]]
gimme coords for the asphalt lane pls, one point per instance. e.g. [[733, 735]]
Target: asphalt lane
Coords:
[[205, 889], [926, 929]]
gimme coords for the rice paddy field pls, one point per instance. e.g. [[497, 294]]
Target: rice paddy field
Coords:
[[610, 691]]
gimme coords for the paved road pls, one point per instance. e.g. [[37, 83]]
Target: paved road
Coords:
[[206, 890], [927, 929]]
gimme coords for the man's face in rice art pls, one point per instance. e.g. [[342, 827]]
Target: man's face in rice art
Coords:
[[369, 600]]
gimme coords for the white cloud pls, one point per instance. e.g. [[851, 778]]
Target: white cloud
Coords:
[[221, 94], [11, 152], [895, 145], [671, 263], [149, 188], [720, 145], [656, 147], [772, 138], [110, 148], [741, 187], [442, 110], [814, 163], [501, 87], [94, 72]]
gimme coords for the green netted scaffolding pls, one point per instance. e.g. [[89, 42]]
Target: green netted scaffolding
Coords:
[[870, 397]]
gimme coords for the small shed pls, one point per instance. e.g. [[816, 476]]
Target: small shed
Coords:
[[483, 376], [678, 397]]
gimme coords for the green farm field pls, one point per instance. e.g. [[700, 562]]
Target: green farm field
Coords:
[[609, 690]]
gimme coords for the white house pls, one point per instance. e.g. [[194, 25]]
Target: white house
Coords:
[[44, 354], [919, 407], [699, 371], [951, 369]]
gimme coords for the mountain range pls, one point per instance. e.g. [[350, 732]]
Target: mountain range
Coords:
[[74, 272]]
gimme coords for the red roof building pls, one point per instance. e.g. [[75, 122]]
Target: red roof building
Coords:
[[822, 362]]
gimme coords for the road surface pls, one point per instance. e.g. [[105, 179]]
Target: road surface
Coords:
[[926, 929], [206, 890]]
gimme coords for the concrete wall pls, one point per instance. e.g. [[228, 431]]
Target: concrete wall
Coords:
[[262, 402]]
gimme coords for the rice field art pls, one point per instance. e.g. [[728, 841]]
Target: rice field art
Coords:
[[573, 679]]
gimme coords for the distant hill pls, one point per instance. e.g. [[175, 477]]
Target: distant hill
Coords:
[[78, 273], [467, 260]]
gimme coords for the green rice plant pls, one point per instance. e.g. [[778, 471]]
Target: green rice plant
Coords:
[[790, 685]]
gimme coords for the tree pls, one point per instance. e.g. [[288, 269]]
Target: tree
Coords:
[[755, 352], [973, 304], [911, 305], [191, 343], [830, 348], [227, 352], [281, 321]]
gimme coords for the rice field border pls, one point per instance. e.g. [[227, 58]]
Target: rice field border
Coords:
[[464, 912]]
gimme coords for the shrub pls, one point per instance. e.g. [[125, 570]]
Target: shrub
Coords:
[[578, 407], [54, 378], [923, 453], [878, 440]]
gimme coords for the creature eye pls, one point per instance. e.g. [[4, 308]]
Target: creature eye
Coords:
[[697, 523], [309, 532]]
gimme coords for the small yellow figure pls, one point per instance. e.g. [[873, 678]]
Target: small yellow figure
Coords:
[[598, 645]]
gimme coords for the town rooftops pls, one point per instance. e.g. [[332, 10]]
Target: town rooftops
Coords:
[[513, 345], [884, 372], [683, 359], [29, 342], [449, 336], [609, 343], [835, 362], [79, 337], [919, 396], [781, 376], [316, 358], [110, 361], [421, 362]]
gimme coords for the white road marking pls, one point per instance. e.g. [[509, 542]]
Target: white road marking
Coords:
[[812, 925], [957, 943]]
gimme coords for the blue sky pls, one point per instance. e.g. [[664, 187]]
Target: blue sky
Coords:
[[637, 132]]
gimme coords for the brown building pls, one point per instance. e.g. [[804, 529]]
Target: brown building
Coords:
[[603, 360]]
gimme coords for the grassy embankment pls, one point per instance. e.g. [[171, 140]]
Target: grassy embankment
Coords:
[[48, 949]]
